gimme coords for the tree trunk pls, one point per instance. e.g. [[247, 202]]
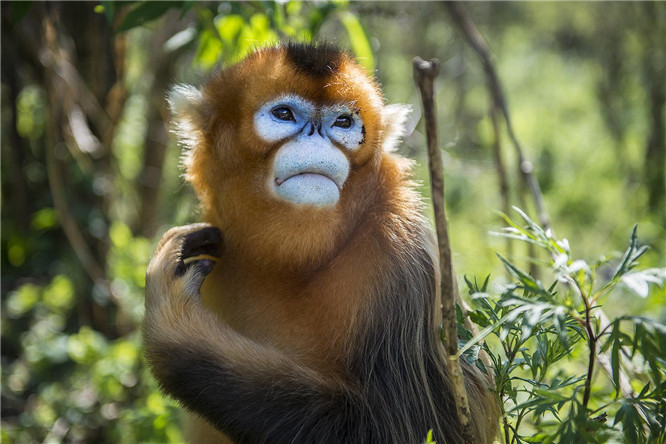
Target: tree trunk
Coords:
[[655, 75]]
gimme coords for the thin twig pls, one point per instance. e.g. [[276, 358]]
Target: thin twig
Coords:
[[424, 75], [462, 19], [592, 345], [501, 170], [56, 183]]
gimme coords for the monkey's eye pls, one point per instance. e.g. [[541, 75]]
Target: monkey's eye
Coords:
[[343, 122], [283, 113]]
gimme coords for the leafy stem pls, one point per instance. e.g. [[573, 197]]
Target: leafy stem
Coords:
[[592, 345]]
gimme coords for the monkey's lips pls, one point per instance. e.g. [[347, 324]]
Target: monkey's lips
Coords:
[[307, 176], [307, 188]]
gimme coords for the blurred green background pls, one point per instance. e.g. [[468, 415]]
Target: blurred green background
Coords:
[[91, 177]]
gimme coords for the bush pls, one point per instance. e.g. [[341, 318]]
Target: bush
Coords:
[[548, 341]]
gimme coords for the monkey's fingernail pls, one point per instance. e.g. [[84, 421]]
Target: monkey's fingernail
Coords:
[[205, 265], [199, 257]]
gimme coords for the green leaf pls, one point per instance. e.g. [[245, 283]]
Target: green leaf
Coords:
[[44, 219], [479, 318], [481, 336], [359, 41], [23, 300], [429, 438], [209, 50], [474, 287], [109, 10], [18, 11], [631, 255], [143, 13], [639, 281], [229, 27], [631, 421], [59, 295], [615, 364], [186, 6], [528, 281], [533, 225]]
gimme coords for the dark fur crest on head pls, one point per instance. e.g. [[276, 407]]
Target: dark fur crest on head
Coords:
[[317, 60]]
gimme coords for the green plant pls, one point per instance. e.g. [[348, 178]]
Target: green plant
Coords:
[[551, 340]]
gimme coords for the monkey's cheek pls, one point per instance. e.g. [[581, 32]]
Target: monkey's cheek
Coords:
[[309, 189]]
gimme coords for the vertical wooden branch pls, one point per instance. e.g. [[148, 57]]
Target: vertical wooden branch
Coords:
[[424, 75]]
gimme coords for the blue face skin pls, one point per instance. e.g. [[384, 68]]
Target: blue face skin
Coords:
[[310, 168]]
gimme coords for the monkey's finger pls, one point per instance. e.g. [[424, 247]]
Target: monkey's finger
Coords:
[[200, 247], [173, 238], [206, 240], [195, 278]]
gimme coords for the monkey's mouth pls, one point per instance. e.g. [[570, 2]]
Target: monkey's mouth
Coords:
[[308, 176], [311, 178], [308, 188]]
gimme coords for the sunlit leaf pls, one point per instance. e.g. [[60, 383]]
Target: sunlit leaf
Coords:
[[528, 281], [229, 27], [631, 255], [359, 41], [180, 39], [639, 281], [44, 219], [23, 300], [59, 294], [17, 251], [120, 234]]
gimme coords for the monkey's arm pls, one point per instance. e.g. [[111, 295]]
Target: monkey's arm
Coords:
[[251, 392]]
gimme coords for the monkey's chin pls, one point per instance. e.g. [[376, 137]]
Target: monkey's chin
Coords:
[[309, 189]]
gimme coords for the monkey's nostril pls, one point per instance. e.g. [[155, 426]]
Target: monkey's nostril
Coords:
[[319, 130], [312, 129]]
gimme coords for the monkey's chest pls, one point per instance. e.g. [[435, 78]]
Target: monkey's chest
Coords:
[[271, 313]]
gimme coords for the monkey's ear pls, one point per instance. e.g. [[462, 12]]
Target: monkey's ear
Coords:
[[395, 117], [189, 113], [189, 117]]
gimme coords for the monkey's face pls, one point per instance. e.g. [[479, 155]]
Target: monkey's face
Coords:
[[310, 166], [286, 149]]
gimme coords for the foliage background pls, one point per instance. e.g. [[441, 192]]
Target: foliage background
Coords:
[[90, 176]]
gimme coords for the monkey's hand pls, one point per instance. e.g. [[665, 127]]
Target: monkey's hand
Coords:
[[183, 259], [252, 392]]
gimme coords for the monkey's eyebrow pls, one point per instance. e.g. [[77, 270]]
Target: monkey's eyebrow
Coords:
[[343, 106], [289, 97]]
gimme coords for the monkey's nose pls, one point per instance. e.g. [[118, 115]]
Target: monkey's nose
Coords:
[[315, 126]]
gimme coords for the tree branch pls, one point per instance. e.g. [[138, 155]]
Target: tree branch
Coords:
[[56, 183], [424, 75], [499, 166], [462, 19]]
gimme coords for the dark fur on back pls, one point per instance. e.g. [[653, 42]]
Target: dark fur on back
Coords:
[[317, 60]]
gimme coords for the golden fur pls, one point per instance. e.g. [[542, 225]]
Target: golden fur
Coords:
[[339, 302]]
